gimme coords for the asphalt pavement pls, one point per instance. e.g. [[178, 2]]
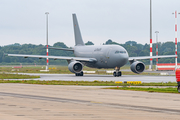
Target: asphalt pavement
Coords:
[[92, 77]]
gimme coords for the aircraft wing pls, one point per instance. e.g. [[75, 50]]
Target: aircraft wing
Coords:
[[149, 57], [56, 57]]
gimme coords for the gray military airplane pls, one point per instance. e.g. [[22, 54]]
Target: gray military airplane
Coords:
[[101, 56]]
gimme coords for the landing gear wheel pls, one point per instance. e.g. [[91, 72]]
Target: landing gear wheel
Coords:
[[79, 74], [119, 73], [114, 74]]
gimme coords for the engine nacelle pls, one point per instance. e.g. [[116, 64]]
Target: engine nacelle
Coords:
[[137, 67], [75, 67]]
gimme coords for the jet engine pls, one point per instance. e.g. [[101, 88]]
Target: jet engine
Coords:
[[75, 67], [137, 67]]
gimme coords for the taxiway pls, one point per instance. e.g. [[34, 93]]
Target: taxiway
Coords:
[[92, 77], [48, 102]]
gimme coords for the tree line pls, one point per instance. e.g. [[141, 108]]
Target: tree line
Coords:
[[132, 47]]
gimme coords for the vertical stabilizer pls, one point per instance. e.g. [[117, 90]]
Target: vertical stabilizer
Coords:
[[77, 33]]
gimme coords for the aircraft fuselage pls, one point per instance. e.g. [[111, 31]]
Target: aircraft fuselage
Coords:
[[107, 56]]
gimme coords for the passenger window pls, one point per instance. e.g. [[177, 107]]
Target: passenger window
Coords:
[[117, 52]]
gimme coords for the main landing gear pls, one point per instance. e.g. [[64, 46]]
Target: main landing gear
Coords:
[[79, 74], [116, 72]]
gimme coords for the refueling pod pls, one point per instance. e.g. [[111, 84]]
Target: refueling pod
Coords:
[[75, 67], [137, 67]]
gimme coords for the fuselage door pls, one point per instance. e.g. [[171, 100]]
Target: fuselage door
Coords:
[[108, 53]]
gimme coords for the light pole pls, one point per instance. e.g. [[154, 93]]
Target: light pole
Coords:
[[47, 67], [156, 47], [175, 38], [151, 63]]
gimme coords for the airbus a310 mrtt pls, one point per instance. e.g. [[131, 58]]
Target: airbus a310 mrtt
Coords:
[[101, 56]]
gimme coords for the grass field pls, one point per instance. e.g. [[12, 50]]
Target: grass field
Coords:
[[86, 83], [16, 76], [65, 70], [161, 90]]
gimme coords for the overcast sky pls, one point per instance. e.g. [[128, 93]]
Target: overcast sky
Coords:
[[24, 21]]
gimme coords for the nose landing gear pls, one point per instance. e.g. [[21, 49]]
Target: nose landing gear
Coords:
[[116, 72]]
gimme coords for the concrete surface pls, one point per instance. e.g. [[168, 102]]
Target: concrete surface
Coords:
[[48, 102], [92, 77]]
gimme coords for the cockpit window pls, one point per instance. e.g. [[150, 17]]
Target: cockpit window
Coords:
[[120, 52]]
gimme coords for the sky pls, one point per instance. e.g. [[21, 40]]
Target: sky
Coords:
[[24, 21]]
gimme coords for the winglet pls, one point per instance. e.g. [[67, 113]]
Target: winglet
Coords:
[[77, 32]]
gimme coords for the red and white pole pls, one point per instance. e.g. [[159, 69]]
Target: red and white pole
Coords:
[[47, 67], [151, 53], [151, 64], [175, 39]]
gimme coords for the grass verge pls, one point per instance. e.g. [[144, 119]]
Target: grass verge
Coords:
[[86, 83], [65, 70], [103, 83], [16, 76], [161, 90]]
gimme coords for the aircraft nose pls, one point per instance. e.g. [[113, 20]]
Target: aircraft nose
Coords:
[[124, 58]]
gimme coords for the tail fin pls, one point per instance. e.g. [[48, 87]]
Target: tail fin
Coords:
[[77, 33]]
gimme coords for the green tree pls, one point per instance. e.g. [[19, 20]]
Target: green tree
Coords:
[[89, 43]]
